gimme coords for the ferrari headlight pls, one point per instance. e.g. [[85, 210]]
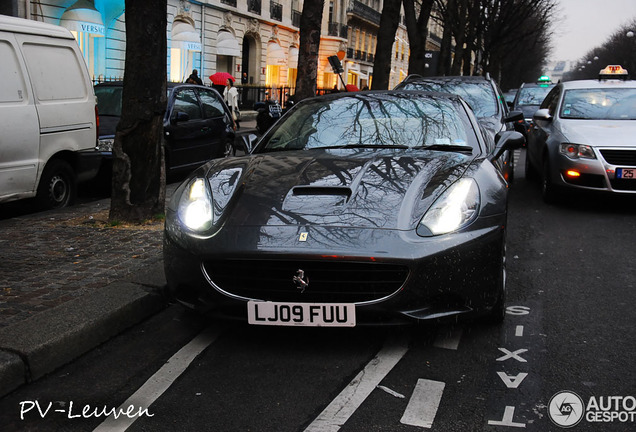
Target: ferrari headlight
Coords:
[[195, 206], [576, 151], [457, 207]]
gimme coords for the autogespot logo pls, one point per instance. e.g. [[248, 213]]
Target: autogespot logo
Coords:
[[566, 409]]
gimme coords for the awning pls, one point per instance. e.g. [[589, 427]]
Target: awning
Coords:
[[275, 55], [184, 35], [227, 45], [83, 17], [293, 58]]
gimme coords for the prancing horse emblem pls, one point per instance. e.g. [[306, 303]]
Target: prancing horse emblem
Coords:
[[300, 281]]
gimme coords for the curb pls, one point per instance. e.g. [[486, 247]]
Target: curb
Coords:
[[35, 347]]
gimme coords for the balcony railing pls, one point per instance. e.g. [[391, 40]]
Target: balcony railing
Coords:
[[229, 2], [334, 29], [364, 12]]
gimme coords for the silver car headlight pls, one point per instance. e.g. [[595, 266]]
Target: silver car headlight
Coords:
[[577, 151], [195, 206], [456, 208]]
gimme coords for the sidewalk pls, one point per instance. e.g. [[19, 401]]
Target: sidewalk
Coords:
[[69, 282]]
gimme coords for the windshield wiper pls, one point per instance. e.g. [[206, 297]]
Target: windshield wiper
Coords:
[[355, 146], [448, 147]]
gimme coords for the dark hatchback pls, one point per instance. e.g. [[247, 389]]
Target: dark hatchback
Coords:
[[197, 125], [484, 97], [380, 207]]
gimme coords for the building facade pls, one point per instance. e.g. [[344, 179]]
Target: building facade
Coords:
[[254, 39]]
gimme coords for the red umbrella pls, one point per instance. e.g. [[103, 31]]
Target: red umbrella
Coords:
[[220, 78], [352, 88]]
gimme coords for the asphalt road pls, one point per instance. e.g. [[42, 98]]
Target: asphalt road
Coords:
[[571, 280]]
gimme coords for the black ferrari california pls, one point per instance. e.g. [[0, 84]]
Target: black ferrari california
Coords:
[[367, 207]]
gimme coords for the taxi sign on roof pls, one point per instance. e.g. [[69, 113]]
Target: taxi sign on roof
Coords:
[[615, 71]]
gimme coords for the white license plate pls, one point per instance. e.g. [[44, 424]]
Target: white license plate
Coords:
[[626, 173], [301, 314]]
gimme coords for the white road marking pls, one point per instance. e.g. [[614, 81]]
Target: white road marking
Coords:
[[512, 381], [347, 402], [391, 392], [449, 339], [509, 412], [514, 355], [519, 331], [160, 381], [423, 404]]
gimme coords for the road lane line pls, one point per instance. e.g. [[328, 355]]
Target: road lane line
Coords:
[[349, 400], [449, 339], [423, 404], [160, 381]]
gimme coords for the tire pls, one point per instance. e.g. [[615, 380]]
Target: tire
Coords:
[[548, 189], [498, 312], [58, 187]]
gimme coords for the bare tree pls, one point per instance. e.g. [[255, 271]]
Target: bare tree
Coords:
[[384, 50], [138, 184], [310, 25], [417, 28]]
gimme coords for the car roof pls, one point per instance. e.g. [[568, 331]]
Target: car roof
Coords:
[[605, 83], [451, 78]]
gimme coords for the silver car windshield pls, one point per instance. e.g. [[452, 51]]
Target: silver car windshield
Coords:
[[599, 104], [372, 121], [533, 95]]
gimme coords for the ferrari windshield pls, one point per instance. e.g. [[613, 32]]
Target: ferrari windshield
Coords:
[[599, 104], [383, 120]]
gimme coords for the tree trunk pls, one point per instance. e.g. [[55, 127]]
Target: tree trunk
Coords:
[[384, 49], [418, 31], [310, 24], [138, 184]]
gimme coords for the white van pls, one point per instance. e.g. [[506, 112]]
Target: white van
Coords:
[[48, 114]]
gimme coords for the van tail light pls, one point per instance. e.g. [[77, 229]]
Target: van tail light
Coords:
[[96, 125]]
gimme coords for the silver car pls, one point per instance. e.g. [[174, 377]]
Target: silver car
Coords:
[[584, 136]]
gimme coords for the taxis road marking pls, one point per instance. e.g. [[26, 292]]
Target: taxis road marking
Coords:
[[347, 402], [161, 380]]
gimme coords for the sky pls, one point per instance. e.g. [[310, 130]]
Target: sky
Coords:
[[585, 24]]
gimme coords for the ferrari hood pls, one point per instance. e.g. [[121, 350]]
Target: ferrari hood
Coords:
[[608, 133], [367, 189]]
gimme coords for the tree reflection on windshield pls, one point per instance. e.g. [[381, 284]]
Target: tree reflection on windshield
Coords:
[[600, 104], [394, 121]]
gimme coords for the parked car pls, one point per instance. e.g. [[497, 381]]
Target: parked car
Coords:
[[197, 125], [528, 99], [484, 97], [48, 118], [509, 96], [380, 206], [584, 136]]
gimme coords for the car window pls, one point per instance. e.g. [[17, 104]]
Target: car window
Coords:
[[186, 101], [551, 100], [212, 104], [109, 100], [398, 121], [479, 95], [532, 95], [599, 104]]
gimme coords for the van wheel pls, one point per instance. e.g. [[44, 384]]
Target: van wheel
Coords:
[[57, 186], [229, 149]]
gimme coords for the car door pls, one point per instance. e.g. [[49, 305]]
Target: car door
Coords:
[[217, 117], [541, 129], [187, 132], [19, 125]]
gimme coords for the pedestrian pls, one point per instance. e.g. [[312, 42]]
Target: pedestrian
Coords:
[[194, 78], [230, 95], [244, 78]]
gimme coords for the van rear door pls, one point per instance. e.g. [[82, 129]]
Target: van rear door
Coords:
[[20, 137]]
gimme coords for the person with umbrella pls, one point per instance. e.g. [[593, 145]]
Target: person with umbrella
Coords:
[[230, 95]]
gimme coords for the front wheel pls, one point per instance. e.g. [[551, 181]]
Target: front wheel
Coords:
[[57, 186], [498, 312], [229, 149], [548, 189]]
